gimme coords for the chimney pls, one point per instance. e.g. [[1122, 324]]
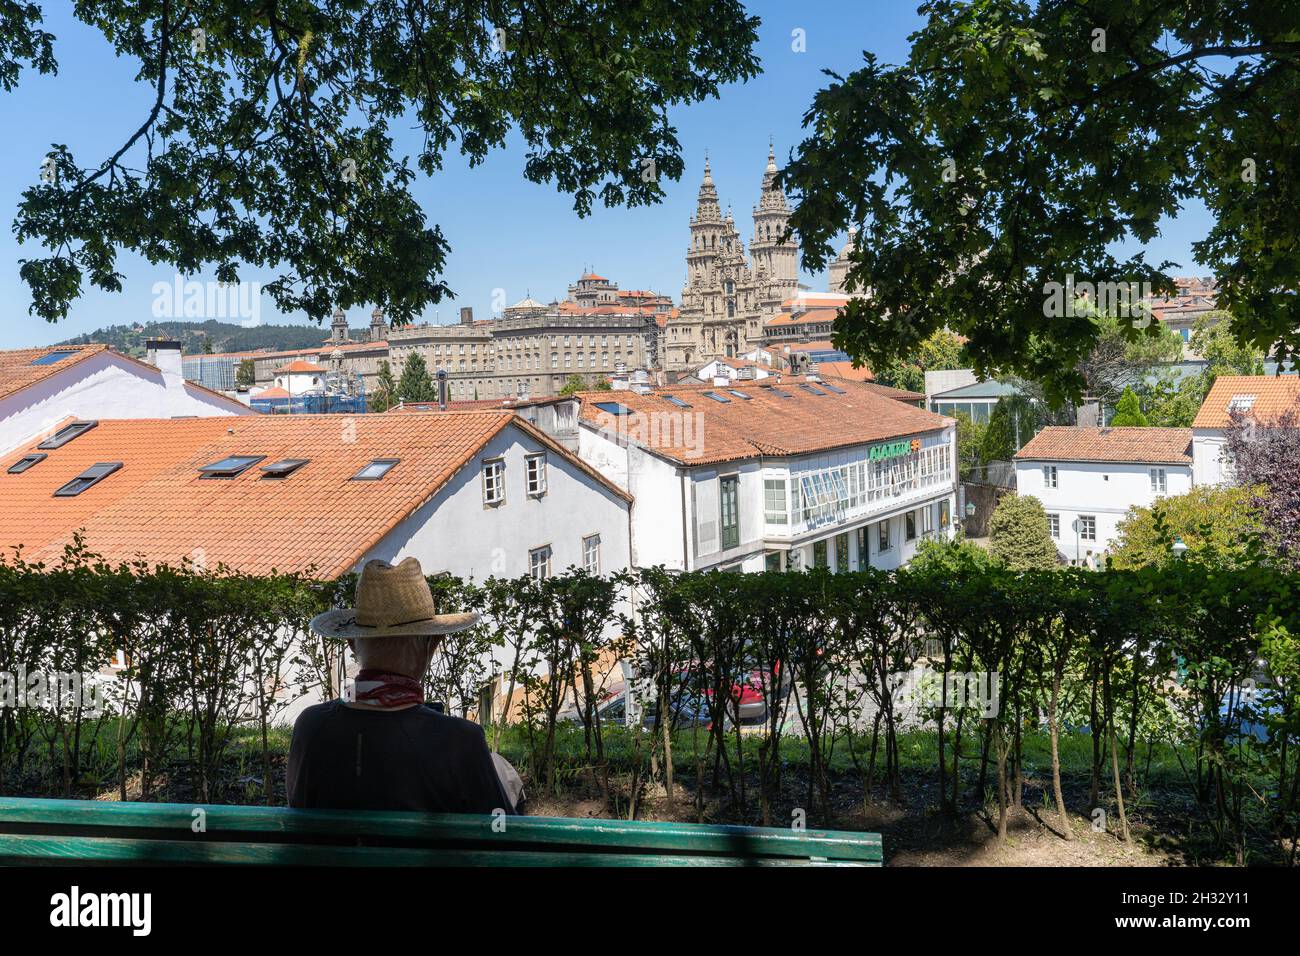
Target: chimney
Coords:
[[467, 315], [442, 389], [721, 381], [165, 355]]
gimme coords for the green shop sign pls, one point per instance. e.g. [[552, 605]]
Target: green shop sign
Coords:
[[893, 449]]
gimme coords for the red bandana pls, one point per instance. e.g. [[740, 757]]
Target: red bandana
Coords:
[[380, 689]]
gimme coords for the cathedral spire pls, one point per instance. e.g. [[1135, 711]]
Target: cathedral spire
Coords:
[[706, 209]]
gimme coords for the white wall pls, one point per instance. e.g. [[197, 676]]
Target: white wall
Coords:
[[1105, 490], [455, 531], [1208, 453], [105, 386]]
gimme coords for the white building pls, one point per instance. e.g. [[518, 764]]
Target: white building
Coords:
[[1258, 398], [773, 475], [1088, 478], [43, 387]]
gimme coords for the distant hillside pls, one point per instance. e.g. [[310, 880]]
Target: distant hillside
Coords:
[[223, 336]]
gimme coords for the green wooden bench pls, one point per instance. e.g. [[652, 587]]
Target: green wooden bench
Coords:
[[97, 832]]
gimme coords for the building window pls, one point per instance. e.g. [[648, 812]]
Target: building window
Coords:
[[819, 554], [864, 548], [1088, 527], [729, 506], [1054, 525], [494, 482], [591, 554], [1159, 481], [774, 509], [909, 524], [927, 521], [539, 563], [535, 474], [841, 552], [1049, 476], [882, 537], [772, 561], [945, 516]]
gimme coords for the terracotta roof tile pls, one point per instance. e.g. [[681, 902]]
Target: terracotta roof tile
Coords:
[[1157, 446], [1262, 397], [768, 424], [17, 371], [159, 508]]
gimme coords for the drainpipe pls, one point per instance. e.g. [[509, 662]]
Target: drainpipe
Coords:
[[686, 559]]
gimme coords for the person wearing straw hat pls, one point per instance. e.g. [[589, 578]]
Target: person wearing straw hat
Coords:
[[382, 748]]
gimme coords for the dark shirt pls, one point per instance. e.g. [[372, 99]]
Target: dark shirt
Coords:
[[345, 758]]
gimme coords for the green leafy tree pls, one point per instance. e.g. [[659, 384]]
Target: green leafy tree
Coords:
[[573, 384], [970, 444], [268, 139], [245, 375], [385, 393], [1129, 411], [1009, 156], [1173, 401], [1219, 525], [940, 351], [1019, 535], [1013, 421], [415, 384]]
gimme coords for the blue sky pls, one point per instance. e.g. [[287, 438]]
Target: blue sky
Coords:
[[505, 232]]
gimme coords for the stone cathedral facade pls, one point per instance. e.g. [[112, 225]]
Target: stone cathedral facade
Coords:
[[728, 295]]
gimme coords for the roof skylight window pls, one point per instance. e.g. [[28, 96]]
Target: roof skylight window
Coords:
[[677, 401], [91, 476], [614, 408], [812, 391], [282, 468], [741, 395], [49, 358], [834, 388], [66, 434], [376, 469], [25, 462], [230, 466], [718, 398]]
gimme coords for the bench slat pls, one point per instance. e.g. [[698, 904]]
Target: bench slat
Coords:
[[104, 850], [627, 836]]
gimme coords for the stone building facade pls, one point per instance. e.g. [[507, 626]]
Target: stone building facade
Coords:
[[727, 294]]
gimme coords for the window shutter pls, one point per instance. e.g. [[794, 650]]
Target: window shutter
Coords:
[[706, 513]]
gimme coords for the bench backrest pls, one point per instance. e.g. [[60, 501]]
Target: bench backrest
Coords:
[[90, 831]]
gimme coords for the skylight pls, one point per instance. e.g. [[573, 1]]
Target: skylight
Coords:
[[49, 358], [732, 391], [718, 398], [834, 388], [230, 467], [282, 468], [66, 434], [91, 476], [25, 462], [614, 408], [812, 391], [376, 469], [677, 401], [778, 392]]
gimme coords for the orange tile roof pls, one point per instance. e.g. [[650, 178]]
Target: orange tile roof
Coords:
[[272, 392], [300, 366], [1272, 395], [315, 521], [822, 345], [846, 370], [767, 425], [17, 371], [1126, 445]]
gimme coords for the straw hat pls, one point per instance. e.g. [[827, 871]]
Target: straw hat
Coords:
[[392, 601]]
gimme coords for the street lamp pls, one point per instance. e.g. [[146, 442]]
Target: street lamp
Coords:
[[1179, 548]]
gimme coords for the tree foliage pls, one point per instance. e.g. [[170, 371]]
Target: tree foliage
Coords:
[[385, 393], [1266, 458], [1019, 535], [1020, 145], [1128, 412], [1218, 525], [268, 140], [416, 385]]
